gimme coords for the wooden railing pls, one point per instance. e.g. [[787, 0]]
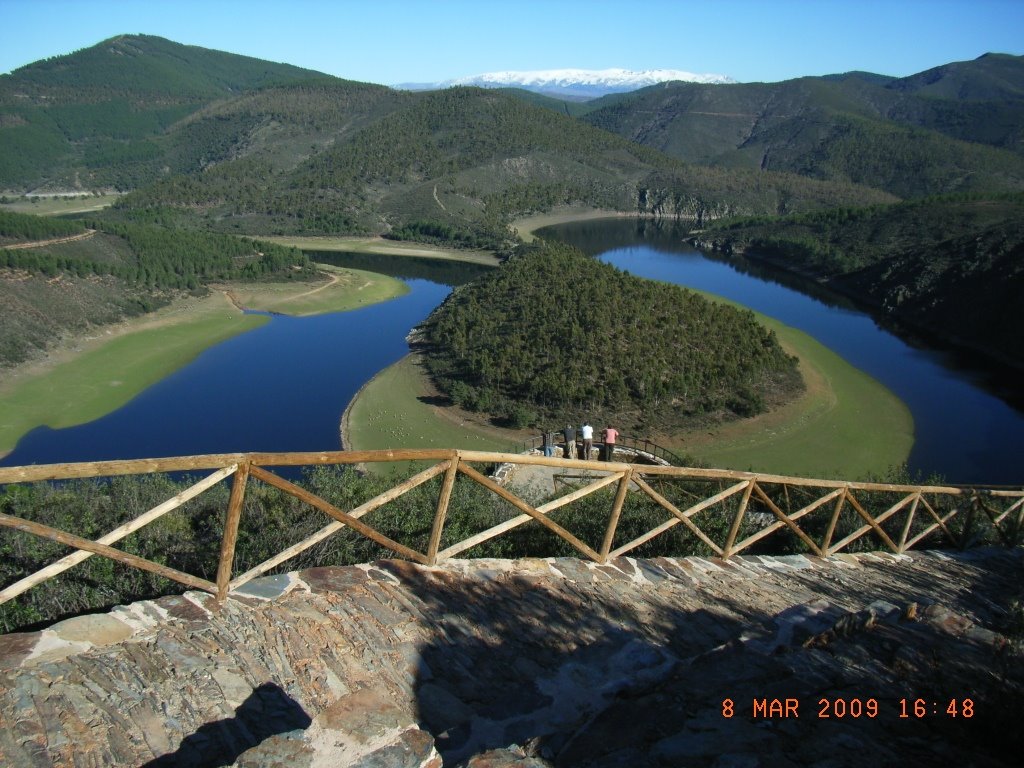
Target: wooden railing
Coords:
[[756, 505]]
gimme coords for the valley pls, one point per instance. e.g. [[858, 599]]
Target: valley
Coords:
[[902, 192]]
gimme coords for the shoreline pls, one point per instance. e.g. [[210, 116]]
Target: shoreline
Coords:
[[839, 398], [84, 377], [830, 429]]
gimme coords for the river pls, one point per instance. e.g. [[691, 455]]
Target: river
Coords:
[[283, 386], [968, 419]]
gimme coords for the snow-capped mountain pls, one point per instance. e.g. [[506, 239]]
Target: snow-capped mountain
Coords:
[[573, 83]]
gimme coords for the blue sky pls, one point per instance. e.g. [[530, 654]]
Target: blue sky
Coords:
[[392, 41]]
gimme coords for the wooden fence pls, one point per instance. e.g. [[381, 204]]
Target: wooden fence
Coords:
[[752, 504]]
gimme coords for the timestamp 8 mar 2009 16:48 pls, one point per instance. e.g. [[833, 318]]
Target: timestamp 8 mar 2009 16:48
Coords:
[[852, 708]]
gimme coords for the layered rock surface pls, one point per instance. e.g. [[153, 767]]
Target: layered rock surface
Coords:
[[538, 662]]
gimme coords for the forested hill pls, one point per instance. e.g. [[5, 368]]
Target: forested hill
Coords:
[[141, 66], [458, 164], [956, 128], [554, 336], [89, 116], [952, 265]]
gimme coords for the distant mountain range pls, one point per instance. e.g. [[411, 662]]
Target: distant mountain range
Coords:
[[572, 83]]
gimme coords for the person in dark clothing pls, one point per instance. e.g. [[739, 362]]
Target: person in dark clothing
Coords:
[[569, 433]]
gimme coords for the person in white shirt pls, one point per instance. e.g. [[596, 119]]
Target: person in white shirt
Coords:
[[588, 441]]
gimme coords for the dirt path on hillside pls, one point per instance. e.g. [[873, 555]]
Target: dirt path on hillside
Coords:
[[332, 280], [54, 241]]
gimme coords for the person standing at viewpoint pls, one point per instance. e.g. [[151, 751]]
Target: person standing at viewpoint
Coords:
[[588, 440], [609, 436], [569, 433]]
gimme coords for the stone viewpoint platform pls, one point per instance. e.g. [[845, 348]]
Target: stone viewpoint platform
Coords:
[[869, 659]]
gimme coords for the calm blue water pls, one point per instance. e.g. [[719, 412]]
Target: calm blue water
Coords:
[[280, 387], [963, 431], [283, 387]]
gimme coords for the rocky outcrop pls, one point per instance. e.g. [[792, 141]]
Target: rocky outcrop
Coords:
[[538, 662]]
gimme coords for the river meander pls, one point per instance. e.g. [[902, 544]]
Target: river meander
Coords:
[[283, 386]]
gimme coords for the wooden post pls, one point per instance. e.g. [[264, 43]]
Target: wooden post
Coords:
[[735, 528], [613, 518], [873, 523], [997, 520], [831, 530], [442, 510], [972, 511], [909, 522], [515, 522], [940, 522], [551, 525], [684, 517], [1020, 523], [114, 536], [351, 520], [230, 538], [778, 524]]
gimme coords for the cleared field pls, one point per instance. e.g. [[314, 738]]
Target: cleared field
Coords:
[[344, 289], [388, 247], [396, 409], [58, 206]]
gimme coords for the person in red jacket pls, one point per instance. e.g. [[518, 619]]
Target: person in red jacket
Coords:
[[609, 436]]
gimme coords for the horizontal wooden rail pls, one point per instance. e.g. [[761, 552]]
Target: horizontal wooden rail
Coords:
[[750, 506]]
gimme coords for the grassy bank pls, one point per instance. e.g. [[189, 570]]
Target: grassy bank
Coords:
[[398, 408], [526, 226], [344, 289], [83, 384], [845, 425], [93, 376]]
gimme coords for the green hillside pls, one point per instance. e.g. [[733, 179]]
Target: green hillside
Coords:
[[954, 129], [952, 265], [95, 118], [212, 142], [457, 165], [117, 271]]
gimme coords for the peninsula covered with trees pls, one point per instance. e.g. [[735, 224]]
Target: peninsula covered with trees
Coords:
[[554, 335]]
